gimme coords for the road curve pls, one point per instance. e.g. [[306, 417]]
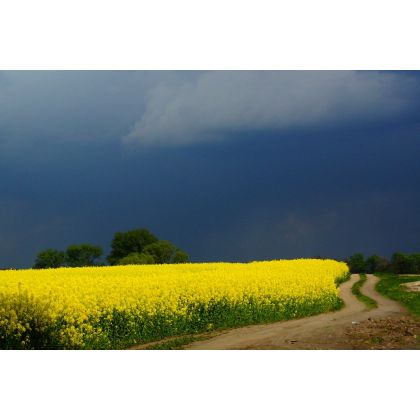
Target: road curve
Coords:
[[312, 332]]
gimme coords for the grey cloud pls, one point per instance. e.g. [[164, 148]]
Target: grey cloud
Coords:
[[210, 104], [71, 106], [187, 107]]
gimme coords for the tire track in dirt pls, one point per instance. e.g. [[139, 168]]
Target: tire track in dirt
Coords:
[[316, 332]]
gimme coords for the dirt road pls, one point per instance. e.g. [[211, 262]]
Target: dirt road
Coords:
[[325, 331]]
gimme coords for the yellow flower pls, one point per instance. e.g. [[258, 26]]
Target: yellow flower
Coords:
[[85, 304]]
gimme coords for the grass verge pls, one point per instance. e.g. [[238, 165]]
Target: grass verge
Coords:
[[177, 343], [369, 302], [390, 286], [342, 279]]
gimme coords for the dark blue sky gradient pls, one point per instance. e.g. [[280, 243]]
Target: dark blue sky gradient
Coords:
[[256, 194]]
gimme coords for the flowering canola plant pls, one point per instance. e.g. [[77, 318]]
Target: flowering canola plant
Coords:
[[114, 307]]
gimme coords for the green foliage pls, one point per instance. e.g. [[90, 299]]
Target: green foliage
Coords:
[[83, 255], [342, 279], [369, 302], [405, 263], [416, 259], [390, 285], [357, 263], [400, 264], [132, 247], [376, 263], [165, 252], [126, 243], [138, 246], [180, 257], [136, 258], [50, 258], [162, 251]]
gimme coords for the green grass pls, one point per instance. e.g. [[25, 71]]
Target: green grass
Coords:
[[377, 340], [369, 302], [342, 279], [176, 343], [390, 286]]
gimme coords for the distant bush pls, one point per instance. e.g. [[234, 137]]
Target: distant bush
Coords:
[[50, 258], [376, 263], [138, 246], [416, 258], [180, 257], [130, 245], [405, 263], [400, 264], [136, 258], [126, 243], [357, 263], [165, 252], [83, 255], [160, 252]]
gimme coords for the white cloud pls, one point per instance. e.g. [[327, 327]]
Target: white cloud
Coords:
[[211, 104]]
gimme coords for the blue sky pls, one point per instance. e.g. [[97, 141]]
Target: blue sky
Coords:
[[228, 165]]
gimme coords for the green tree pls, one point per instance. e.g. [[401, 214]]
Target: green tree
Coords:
[[403, 263], [375, 263], [180, 257], [136, 258], [82, 255], [357, 263], [165, 252], [126, 243], [162, 251], [50, 258], [416, 263]]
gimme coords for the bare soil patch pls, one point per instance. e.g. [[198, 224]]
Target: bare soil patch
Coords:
[[413, 286], [385, 334]]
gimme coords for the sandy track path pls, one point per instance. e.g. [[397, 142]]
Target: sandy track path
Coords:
[[320, 331], [385, 306]]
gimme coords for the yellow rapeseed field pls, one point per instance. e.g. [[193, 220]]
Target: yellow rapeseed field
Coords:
[[114, 307]]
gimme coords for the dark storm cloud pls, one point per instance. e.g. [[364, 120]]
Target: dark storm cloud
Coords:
[[266, 191]]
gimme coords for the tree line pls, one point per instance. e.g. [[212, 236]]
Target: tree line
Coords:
[[138, 246], [399, 263]]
